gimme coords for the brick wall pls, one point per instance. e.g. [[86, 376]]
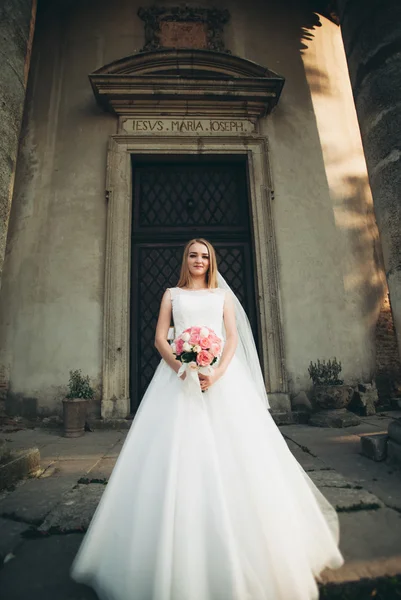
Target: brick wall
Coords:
[[388, 365]]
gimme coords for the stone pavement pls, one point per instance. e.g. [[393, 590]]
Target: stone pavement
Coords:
[[43, 519]]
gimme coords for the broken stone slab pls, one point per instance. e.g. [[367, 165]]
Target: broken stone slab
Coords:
[[364, 400], [18, 464], [35, 498], [331, 478], [75, 510], [345, 499], [335, 418], [394, 430], [394, 451], [10, 536], [374, 446]]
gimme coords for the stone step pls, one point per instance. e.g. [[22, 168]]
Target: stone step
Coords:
[[374, 446]]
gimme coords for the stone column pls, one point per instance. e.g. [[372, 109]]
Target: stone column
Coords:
[[371, 31], [17, 22]]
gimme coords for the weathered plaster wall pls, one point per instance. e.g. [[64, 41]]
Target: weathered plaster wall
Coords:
[[51, 303]]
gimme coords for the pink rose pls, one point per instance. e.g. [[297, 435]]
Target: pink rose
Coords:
[[204, 358], [214, 338], [205, 342], [179, 346], [194, 339], [215, 348]]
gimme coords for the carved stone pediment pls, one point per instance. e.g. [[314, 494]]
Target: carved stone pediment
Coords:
[[188, 82], [183, 27]]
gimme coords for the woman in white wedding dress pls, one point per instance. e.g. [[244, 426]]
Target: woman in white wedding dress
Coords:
[[206, 502]]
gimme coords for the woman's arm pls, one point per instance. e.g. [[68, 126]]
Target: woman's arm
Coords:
[[229, 347], [162, 327]]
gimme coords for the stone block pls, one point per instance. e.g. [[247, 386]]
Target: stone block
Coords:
[[394, 451], [374, 446], [76, 509], [330, 479], [334, 418], [350, 499], [394, 431], [364, 400], [19, 464]]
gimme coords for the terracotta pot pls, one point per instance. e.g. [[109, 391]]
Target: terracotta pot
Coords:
[[74, 410], [332, 396]]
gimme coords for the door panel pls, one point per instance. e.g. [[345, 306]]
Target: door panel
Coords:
[[162, 194]]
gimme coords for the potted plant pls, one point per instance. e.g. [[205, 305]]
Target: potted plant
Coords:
[[330, 396], [75, 404]]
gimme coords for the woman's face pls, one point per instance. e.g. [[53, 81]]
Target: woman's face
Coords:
[[198, 260]]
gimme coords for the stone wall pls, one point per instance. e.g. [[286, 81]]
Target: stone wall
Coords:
[[388, 366], [16, 33], [371, 32]]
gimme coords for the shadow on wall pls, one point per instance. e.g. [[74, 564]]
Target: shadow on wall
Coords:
[[353, 208]]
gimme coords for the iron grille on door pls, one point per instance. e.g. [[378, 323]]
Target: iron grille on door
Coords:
[[202, 195], [162, 224]]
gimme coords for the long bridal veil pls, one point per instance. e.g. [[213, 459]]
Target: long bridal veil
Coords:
[[247, 354], [246, 349]]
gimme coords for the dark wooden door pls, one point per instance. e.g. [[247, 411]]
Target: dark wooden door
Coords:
[[174, 201]]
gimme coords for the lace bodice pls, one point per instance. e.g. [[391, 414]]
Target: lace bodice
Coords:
[[198, 307]]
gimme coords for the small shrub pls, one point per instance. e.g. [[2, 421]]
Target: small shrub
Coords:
[[79, 386], [323, 373]]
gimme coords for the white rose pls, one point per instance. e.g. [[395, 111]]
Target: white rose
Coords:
[[197, 349], [204, 332], [187, 347], [185, 336]]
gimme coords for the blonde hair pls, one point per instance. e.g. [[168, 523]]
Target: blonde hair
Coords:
[[211, 275]]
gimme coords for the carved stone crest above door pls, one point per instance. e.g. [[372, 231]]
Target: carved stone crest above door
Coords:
[[184, 27]]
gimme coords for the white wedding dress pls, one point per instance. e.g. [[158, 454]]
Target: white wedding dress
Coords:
[[206, 502]]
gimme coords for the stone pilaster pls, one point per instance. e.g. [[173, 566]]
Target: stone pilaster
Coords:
[[17, 21], [371, 31]]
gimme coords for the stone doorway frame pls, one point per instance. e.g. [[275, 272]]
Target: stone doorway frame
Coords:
[[115, 399]]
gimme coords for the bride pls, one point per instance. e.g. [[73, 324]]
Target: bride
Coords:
[[206, 502]]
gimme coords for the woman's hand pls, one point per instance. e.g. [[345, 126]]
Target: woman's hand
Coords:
[[207, 380]]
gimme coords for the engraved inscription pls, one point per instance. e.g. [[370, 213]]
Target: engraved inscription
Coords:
[[194, 126]]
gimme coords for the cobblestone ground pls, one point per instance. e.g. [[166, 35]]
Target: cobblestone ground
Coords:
[[42, 520]]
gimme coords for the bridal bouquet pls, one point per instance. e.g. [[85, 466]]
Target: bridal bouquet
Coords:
[[198, 348]]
